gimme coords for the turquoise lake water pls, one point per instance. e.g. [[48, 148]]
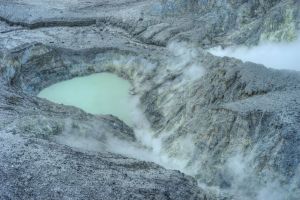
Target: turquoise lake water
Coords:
[[101, 93]]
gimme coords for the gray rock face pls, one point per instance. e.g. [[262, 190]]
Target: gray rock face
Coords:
[[207, 23], [232, 125], [34, 166], [36, 169], [240, 119]]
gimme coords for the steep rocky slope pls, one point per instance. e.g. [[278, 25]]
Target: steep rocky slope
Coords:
[[232, 125]]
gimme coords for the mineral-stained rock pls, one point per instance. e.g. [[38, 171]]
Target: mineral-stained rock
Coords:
[[233, 125]]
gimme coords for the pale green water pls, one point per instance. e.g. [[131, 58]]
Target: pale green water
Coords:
[[102, 93]]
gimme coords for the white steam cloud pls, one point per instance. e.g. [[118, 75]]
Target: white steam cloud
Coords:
[[147, 148], [185, 63], [281, 55], [247, 185], [185, 59], [150, 147]]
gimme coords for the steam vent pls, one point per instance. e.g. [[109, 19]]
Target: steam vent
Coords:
[[149, 100]]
